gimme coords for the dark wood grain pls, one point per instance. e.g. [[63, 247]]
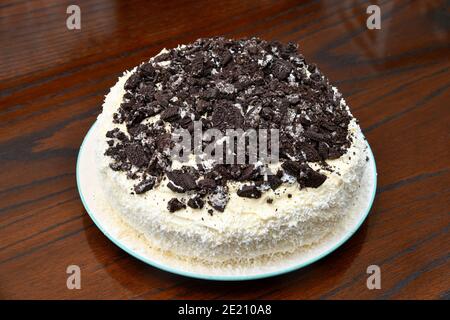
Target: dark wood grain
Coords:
[[52, 82]]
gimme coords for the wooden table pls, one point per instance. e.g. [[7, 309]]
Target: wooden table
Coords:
[[52, 83]]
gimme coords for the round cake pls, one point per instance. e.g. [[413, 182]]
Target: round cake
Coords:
[[228, 212]]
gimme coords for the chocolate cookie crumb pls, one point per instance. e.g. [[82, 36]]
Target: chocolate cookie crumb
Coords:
[[181, 181], [174, 205], [274, 181], [196, 203], [310, 178], [145, 185], [247, 191]]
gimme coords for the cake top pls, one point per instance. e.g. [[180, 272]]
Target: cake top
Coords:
[[223, 85]]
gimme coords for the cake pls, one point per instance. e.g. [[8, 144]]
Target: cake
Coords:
[[203, 210]]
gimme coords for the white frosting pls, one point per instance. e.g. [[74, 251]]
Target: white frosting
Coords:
[[248, 228]]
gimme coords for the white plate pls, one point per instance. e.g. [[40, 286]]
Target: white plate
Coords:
[[109, 222]]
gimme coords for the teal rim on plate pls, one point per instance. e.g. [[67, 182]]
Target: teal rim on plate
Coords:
[[182, 272]]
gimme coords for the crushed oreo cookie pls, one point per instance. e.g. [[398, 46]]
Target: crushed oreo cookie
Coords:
[[248, 191], [174, 205], [275, 181], [196, 202], [181, 181], [227, 84], [145, 185]]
